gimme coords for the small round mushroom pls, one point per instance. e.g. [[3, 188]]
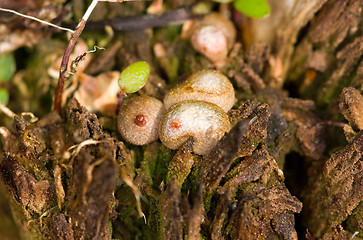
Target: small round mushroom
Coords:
[[139, 119], [205, 85], [211, 42], [205, 122], [224, 24], [213, 36]]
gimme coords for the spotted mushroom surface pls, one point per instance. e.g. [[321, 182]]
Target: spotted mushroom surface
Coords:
[[139, 119], [205, 122], [205, 85]]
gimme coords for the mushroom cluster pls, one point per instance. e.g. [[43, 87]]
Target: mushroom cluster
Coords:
[[196, 108], [205, 122]]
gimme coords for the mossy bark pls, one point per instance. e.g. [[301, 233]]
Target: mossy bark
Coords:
[[73, 177]]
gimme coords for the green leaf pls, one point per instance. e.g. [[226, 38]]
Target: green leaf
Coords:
[[4, 96], [7, 67], [134, 77], [253, 8], [223, 1]]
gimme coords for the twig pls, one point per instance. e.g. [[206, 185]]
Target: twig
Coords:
[[65, 59], [120, 1], [67, 155], [353, 236], [95, 49], [334, 123], [4, 132], [139, 22], [64, 65], [7, 111], [37, 19], [32, 119], [89, 10], [135, 191]]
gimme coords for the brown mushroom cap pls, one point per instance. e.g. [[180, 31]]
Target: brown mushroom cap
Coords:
[[205, 85], [211, 42], [213, 36], [222, 23], [139, 119], [205, 122]]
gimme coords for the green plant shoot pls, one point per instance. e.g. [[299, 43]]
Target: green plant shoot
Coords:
[[223, 1], [7, 67], [253, 8], [134, 77], [4, 96]]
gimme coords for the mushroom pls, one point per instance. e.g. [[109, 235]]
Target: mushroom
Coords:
[[205, 122], [139, 119], [205, 85], [213, 37]]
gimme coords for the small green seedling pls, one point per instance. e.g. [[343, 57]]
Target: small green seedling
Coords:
[[4, 96], [7, 70], [134, 77], [251, 8], [7, 67], [131, 80], [223, 1]]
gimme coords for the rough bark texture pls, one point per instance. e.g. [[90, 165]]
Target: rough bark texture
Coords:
[[291, 165], [327, 58], [90, 169]]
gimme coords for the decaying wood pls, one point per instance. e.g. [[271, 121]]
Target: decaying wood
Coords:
[[74, 178], [351, 106], [91, 172], [323, 67], [338, 189]]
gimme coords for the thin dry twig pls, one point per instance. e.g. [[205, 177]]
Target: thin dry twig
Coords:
[[135, 191], [75, 63], [69, 49], [64, 64], [79, 147], [120, 1], [32, 119], [353, 236], [68, 155], [4, 132], [7, 111], [67, 53], [89, 177], [36, 19], [138, 22]]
